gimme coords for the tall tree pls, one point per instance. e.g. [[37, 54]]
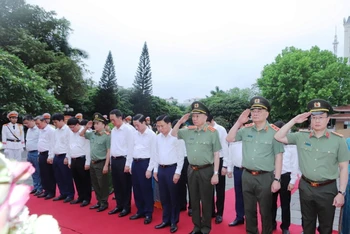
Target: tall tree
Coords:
[[142, 95], [106, 97], [298, 76]]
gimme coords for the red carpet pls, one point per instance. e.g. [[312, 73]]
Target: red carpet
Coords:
[[74, 219]]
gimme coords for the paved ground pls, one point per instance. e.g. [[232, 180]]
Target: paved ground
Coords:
[[295, 205]]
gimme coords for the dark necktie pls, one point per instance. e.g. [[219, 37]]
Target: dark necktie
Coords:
[[13, 127]]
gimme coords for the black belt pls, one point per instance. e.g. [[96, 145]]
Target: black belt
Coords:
[[60, 155], [140, 159], [13, 140], [317, 183], [169, 165], [44, 152], [118, 157], [238, 168], [198, 167], [255, 172], [78, 158], [32, 151], [97, 161]]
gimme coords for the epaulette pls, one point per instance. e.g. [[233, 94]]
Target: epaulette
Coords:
[[210, 128], [192, 127], [274, 127], [304, 130], [249, 125], [338, 134], [107, 133]]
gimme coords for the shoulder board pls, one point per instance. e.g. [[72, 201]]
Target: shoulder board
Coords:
[[107, 133], [338, 134], [274, 127], [304, 130], [249, 125], [210, 128], [191, 127]]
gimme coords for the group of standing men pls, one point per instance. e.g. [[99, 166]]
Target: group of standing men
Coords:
[[136, 153]]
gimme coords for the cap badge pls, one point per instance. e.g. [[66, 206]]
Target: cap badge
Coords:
[[196, 105], [317, 104], [96, 116], [257, 100]]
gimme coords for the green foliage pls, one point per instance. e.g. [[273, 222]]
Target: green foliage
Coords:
[[106, 96], [160, 106], [298, 76], [141, 98], [23, 90]]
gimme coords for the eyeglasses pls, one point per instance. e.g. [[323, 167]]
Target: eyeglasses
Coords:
[[319, 118]]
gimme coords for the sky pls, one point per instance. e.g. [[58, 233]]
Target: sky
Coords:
[[195, 45]]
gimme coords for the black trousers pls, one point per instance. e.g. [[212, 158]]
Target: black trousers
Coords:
[[183, 187], [285, 197], [81, 178], [63, 176], [121, 183], [47, 175], [220, 193]]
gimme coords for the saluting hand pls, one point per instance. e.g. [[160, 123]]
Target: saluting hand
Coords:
[[184, 118], [338, 200], [244, 117], [89, 124], [302, 117]]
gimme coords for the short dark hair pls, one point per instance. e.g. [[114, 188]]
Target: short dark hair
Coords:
[[58, 117], [175, 122], [139, 117], [210, 118], [28, 117], [279, 123], [164, 117], [73, 121], [116, 112], [83, 122]]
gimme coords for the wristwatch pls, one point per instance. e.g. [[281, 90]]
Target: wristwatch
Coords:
[[216, 173], [278, 180], [342, 193]]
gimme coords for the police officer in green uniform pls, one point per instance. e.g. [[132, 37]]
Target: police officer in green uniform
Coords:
[[202, 146], [262, 155], [100, 144], [321, 154]]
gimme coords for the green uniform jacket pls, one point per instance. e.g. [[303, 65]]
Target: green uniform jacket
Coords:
[[99, 144]]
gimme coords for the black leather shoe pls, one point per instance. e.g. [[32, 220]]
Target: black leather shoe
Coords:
[[148, 220], [60, 197], [274, 227], [68, 199], [115, 210], [33, 191], [102, 208], [285, 231], [76, 201], [189, 212], [124, 213], [42, 195], [236, 222], [37, 193], [218, 219], [136, 216], [173, 228], [162, 225], [49, 196], [84, 203], [94, 206]]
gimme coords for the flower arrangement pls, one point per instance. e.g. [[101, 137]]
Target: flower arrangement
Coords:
[[14, 215]]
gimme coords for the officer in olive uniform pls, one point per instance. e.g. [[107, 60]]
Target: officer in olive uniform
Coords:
[[321, 154], [100, 144], [262, 154], [202, 146]]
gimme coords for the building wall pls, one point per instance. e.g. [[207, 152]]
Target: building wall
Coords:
[[347, 38]]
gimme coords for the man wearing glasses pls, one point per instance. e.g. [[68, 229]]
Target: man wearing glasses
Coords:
[[321, 154], [13, 137], [262, 155]]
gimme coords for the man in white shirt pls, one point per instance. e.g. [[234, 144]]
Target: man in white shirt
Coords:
[[32, 139], [289, 176], [62, 172], [169, 161], [220, 187], [122, 144], [13, 137], [79, 162], [142, 166], [235, 163], [45, 144]]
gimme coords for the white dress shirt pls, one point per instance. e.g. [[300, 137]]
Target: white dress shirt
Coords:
[[78, 146], [169, 150], [235, 155], [224, 144], [122, 142], [61, 140], [32, 138], [46, 140], [290, 162], [145, 146], [17, 130]]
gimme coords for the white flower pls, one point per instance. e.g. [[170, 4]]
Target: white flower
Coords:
[[44, 223]]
